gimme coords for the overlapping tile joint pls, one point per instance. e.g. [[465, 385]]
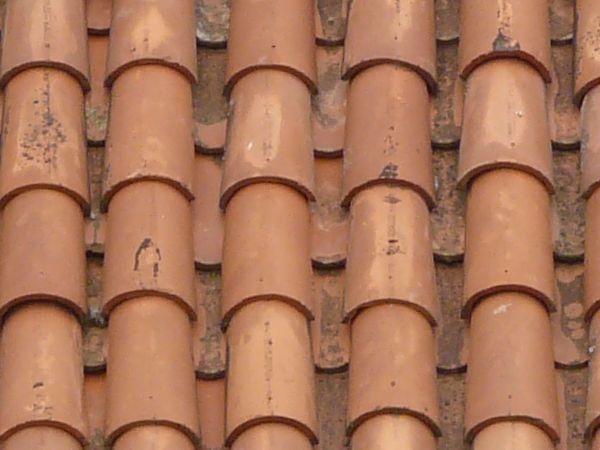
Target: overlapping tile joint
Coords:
[[267, 224]]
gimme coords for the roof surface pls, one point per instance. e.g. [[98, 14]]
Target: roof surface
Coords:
[[273, 224]]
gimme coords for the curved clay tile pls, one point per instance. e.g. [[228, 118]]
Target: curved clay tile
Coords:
[[44, 33], [43, 251], [393, 432], [392, 366], [41, 438], [150, 372], [511, 365], [95, 404], [150, 130], [43, 135], [153, 437], [400, 32], [269, 136], [590, 145], [276, 34], [206, 214], [592, 413], [512, 436], [587, 51], [98, 16], [592, 255], [270, 376], [387, 137], [508, 238], [41, 381], [209, 139], [211, 411], [152, 32], [148, 246], [390, 259], [505, 122], [272, 436], [505, 29], [266, 252]]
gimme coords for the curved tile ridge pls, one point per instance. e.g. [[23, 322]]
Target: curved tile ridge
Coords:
[[41, 438], [44, 136], [151, 131], [505, 122], [44, 33], [271, 34], [587, 51], [41, 383], [387, 135], [508, 238], [269, 137], [272, 436], [270, 378], [590, 142], [399, 32], [504, 29], [511, 376], [152, 32], [394, 431], [266, 252], [151, 386], [98, 16], [513, 436]]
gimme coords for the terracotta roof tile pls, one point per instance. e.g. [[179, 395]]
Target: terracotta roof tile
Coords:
[[510, 93], [272, 34], [508, 238], [41, 438], [272, 436], [512, 351], [95, 407], [592, 255], [211, 411], [590, 143], [43, 33], [212, 22], [504, 29], [282, 388], [99, 14], [97, 101], [150, 130], [270, 139], [587, 56], [210, 105], [43, 135], [393, 432], [94, 349], [152, 32], [153, 437], [395, 264], [330, 21], [143, 254], [49, 225], [592, 413], [387, 136], [391, 32], [150, 373], [513, 436], [564, 118], [268, 257], [210, 138]]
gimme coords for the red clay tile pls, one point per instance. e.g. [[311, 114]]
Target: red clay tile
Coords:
[[206, 215], [329, 221], [329, 106], [272, 436], [152, 32], [512, 436], [272, 34], [153, 437], [511, 365], [95, 406], [266, 253], [590, 143], [508, 238], [150, 377], [97, 101], [41, 438], [592, 413], [43, 252], [389, 255], [391, 32], [587, 51], [212, 22], [211, 411], [42, 371], [95, 234], [330, 337], [387, 137], [270, 376], [209, 139], [564, 117], [148, 246], [505, 122], [94, 349], [592, 255], [98, 16], [150, 130], [45, 33], [392, 366], [330, 21], [393, 432], [269, 137], [43, 135], [505, 29]]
